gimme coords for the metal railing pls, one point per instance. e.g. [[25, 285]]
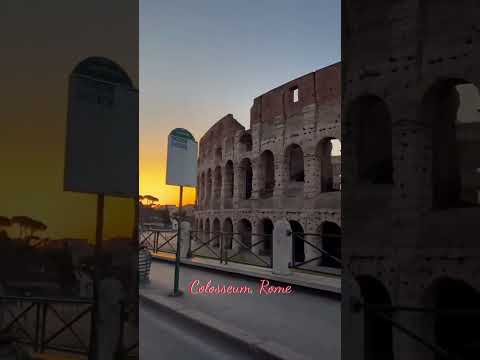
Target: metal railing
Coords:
[[221, 246], [157, 240], [323, 258], [38, 322], [43, 311], [385, 313]]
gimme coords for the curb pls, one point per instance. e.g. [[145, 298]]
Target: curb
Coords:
[[297, 282], [260, 349]]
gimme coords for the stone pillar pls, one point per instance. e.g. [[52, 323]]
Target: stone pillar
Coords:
[[111, 293], [184, 240], [312, 175], [256, 178], [256, 237], [280, 177], [238, 184], [282, 247]]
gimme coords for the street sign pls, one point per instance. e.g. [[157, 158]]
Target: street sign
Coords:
[[182, 158], [102, 138]]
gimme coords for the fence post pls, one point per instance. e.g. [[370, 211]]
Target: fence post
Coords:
[[282, 245]]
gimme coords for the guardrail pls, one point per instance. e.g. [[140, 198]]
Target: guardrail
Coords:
[[220, 246], [158, 239], [324, 258]]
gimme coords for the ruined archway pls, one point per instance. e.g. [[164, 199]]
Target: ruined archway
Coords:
[[450, 110], [207, 236], [378, 337], [454, 326], [295, 163], [372, 137], [329, 157], [246, 142], [245, 179], [209, 187], [267, 174], [298, 245], [217, 187], [228, 233], [332, 243], [245, 233], [218, 154], [216, 232], [228, 185], [265, 231]]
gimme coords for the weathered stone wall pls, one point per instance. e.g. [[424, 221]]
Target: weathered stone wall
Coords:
[[398, 59], [278, 124]]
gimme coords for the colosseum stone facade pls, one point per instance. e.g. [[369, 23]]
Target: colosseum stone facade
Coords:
[[411, 179], [286, 166]]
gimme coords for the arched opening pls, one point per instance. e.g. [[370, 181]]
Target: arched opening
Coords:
[[216, 233], [295, 163], [458, 334], [298, 246], [246, 142], [451, 109], [245, 231], [228, 183], [331, 243], [246, 178], [207, 230], [200, 235], [378, 339], [372, 129], [217, 186], [202, 187], [266, 229], [228, 233], [218, 154], [329, 155], [209, 187], [267, 173]]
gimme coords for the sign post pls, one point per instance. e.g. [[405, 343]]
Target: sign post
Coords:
[[181, 171]]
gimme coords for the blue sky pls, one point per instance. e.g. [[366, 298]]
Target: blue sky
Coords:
[[203, 59]]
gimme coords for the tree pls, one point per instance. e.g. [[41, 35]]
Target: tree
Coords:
[[150, 200]]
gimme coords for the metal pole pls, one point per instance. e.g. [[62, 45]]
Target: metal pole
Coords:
[[176, 291], [96, 278]]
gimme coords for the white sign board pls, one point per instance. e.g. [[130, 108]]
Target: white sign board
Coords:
[[102, 138], [182, 158]]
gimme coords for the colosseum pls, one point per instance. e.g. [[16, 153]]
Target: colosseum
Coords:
[[285, 166], [410, 179]]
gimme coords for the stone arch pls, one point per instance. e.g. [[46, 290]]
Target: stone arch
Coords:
[[378, 336], [218, 154], [245, 179], [372, 139], [209, 188], [229, 181], [331, 237], [245, 233], [298, 245], [228, 233], [202, 186], [216, 232], [453, 104], [217, 186], [329, 163], [207, 230], [456, 333], [295, 163], [267, 174], [265, 234], [200, 234], [245, 142]]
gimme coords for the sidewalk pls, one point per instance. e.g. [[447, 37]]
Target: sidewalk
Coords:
[[320, 281], [301, 325]]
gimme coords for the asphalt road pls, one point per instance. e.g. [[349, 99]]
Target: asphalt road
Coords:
[[305, 321], [161, 338]]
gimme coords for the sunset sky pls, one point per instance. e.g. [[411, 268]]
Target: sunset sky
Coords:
[[200, 60]]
